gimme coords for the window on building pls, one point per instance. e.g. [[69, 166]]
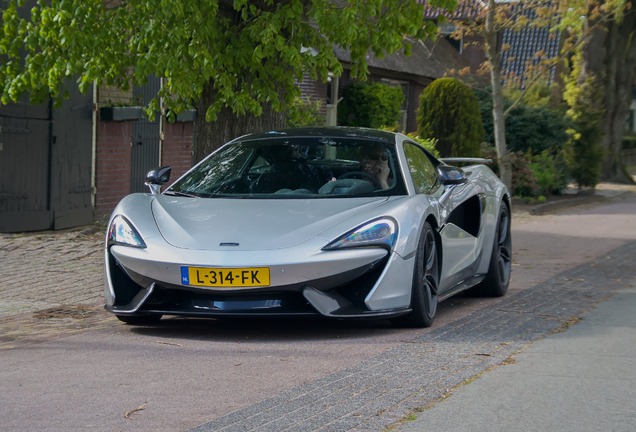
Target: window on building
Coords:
[[447, 30]]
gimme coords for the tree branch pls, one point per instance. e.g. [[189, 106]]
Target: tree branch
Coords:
[[556, 61]]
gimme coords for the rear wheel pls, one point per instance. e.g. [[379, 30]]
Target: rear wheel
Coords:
[[425, 283], [139, 319], [498, 276]]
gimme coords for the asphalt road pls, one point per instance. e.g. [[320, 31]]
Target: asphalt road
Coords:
[[186, 372]]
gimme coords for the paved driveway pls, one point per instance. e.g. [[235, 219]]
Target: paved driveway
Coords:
[[73, 368]]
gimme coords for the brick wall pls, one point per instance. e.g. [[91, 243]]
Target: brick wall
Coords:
[[177, 148], [112, 176], [113, 95], [316, 90]]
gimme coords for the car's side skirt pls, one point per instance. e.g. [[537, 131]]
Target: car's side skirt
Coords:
[[461, 286]]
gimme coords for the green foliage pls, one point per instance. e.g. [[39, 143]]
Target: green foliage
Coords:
[[370, 105], [629, 142], [449, 112], [550, 170], [305, 112], [540, 95], [429, 144], [250, 52], [527, 127], [524, 180], [583, 152]]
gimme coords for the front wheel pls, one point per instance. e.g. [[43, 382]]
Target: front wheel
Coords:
[[425, 283], [140, 319], [498, 276]]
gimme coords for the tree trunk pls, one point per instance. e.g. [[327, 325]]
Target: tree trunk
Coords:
[[619, 81], [499, 120], [229, 125], [613, 70]]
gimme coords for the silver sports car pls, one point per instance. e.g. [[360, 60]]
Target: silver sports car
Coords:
[[341, 222]]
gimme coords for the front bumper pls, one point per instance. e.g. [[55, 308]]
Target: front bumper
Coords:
[[336, 284]]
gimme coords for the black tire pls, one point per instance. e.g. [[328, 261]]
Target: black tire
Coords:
[[425, 283], [498, 276], [140, 319]]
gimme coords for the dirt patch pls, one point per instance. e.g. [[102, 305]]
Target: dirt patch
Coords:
[[66, 311]]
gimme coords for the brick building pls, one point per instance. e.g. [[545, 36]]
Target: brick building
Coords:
[[126, 149]]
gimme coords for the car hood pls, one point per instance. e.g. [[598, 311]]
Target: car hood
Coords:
[[255, 224]]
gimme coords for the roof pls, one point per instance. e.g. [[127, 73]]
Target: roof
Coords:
[[428, 59], [524, 44], [328, 132]]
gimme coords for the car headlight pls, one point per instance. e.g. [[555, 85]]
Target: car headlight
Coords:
[[122, 232], [381, 232]]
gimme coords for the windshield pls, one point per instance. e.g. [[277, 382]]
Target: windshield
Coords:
[[296, 167]]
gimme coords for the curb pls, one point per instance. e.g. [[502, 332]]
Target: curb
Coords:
[[559, 205]]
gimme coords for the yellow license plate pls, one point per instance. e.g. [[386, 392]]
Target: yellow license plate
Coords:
[[225, 277]]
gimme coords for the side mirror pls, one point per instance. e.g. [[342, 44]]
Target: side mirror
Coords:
[[157, 177], [450, 175]]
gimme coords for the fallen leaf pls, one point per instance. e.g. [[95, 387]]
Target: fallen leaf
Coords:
[[129, 413], [238, 364]]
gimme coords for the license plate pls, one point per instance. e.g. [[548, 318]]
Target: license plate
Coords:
[[225, 277]]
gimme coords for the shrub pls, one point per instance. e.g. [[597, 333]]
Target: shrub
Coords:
[[370, 105], [524, 180], [539, 128], [550, 170], [449, 112], [629, 142], [305, 112]]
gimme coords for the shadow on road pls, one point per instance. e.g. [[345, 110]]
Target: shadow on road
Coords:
[[278, 329]]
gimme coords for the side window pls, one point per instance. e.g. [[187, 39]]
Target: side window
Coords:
[[422, 171]]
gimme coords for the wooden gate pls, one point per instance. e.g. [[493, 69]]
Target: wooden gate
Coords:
[[146, 138], [25, 149], [46, 160], [45, 164]]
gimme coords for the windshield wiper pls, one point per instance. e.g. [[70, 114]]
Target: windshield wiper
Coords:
[[181, 194]]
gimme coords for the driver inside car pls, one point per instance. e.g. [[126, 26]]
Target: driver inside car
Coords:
[[375, 162]]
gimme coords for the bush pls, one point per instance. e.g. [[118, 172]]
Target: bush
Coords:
[[305, 112], [629, 142], [550, 171], [370, 105], [527, 127], [449, 112], [524, 180]]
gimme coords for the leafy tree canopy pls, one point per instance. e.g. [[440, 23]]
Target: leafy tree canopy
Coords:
[[249, 50]]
